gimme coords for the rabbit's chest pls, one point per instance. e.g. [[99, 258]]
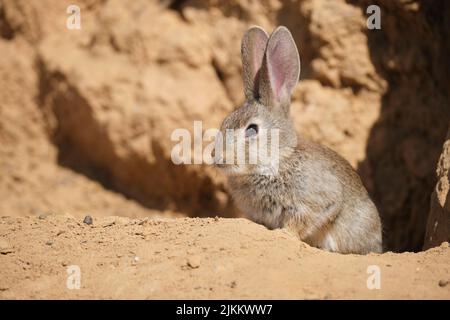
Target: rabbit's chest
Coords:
[[265, 201]]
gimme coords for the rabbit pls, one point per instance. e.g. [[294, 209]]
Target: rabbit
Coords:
[[314, 192]]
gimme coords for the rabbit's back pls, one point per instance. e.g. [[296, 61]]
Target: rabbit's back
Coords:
[[357, 225]]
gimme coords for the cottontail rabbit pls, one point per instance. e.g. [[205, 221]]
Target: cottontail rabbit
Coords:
[[312, 191]]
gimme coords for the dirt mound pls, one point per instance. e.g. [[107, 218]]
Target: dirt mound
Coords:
[[87, 115], [199, 258]]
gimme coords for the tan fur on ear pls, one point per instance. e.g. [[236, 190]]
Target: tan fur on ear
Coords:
[[253, 48]]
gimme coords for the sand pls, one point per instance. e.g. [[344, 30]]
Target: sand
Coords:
[[198, 258]]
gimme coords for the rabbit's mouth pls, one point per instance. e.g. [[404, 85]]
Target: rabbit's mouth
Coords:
[[219, 162], [223, 166], [229, 169]]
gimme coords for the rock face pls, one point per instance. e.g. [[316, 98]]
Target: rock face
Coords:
[[94, 109], [438, 227], [406, 140]]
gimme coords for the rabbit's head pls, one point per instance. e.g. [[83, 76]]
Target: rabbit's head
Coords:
[[258, 135]]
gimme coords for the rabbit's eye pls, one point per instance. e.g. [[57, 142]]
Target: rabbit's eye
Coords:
[[252, 130]]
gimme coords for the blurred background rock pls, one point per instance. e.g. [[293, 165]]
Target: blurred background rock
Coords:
[[86, 115]]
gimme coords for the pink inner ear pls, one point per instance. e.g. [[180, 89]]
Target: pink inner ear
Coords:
[[256, 63], [256, 67], [277, 70]]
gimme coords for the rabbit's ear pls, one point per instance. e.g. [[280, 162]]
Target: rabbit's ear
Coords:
[[281, 70], [253, 47]]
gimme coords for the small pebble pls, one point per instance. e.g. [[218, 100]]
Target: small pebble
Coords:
[[108, 224], [233, 284], [5, 247], [135, 261], [49, 243], [194, 262], [88, 220], [443, 283], [143, 221]]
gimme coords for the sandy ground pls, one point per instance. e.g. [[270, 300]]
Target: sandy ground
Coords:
[[198, 258]]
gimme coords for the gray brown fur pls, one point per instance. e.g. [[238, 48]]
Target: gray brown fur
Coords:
[[315, 193]]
